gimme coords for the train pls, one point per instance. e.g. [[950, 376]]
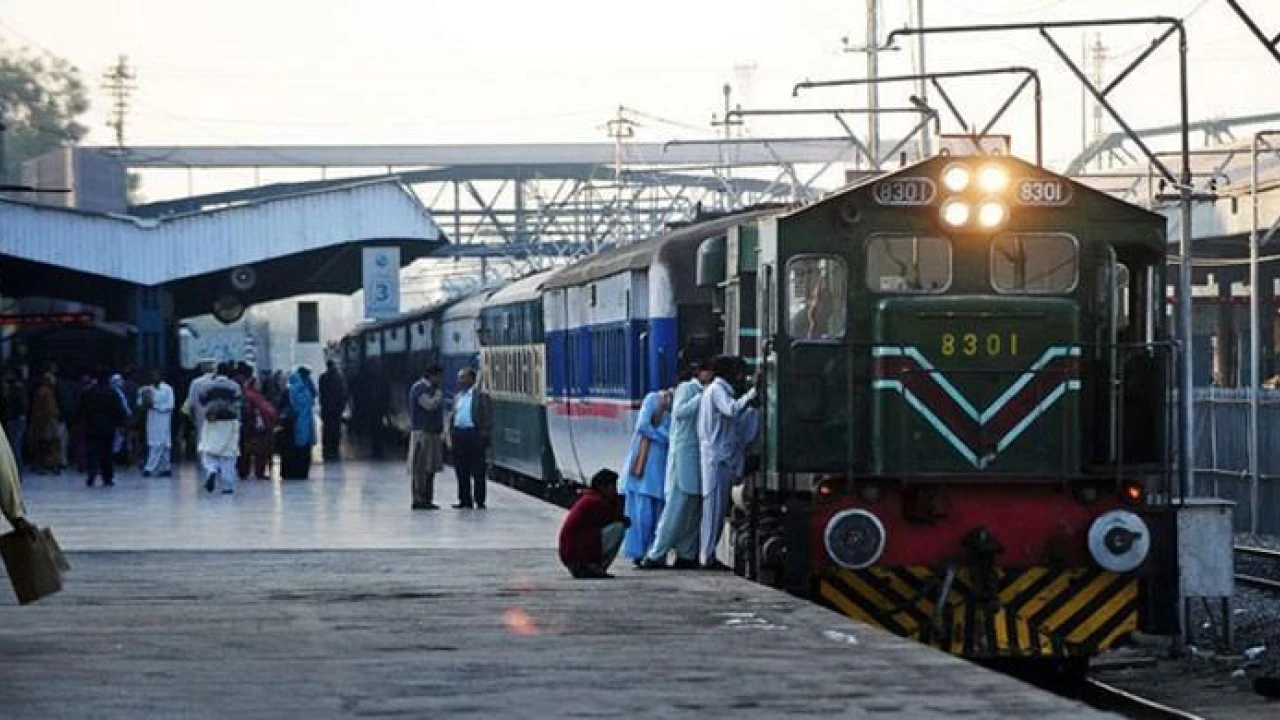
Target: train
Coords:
[[965, 371]]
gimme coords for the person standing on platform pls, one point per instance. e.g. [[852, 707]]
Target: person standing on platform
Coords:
[[646, 466], [257, 423], [593, 529], [220, 439], [333, 402], [11, 491], [192, 405], [16, 402], [43, 435], [426, 441], [120, 443], [299, 424], [159, 407], [681, 519], [719, 447], [102, 416], [469, 436]]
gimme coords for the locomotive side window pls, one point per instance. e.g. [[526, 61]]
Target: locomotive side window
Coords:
[[908, 264], [816, 297], [1034, 264]]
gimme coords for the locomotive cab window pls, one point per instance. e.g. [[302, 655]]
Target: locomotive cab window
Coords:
[[816, 298], [908, 264], [1034, 264]]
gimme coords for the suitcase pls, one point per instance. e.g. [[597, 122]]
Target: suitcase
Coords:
[[34, 564]]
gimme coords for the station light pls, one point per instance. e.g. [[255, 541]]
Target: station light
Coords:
[[991, 214], [956, 212], [956, 177], [993, 178]]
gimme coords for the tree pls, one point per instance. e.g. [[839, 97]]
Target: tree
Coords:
[[40, 98]]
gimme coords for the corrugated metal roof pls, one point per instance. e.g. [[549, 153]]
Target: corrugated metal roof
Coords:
[[153, 252]]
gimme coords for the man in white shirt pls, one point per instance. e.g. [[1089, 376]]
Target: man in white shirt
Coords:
[[719, 446], [157, 400]]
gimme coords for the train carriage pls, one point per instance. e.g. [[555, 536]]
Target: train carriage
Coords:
[[617, 326], [965, 371], [512, 358]]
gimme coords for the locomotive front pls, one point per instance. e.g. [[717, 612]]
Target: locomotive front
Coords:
[[965, 407]]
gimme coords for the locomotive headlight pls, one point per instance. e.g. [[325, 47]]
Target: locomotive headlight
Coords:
[[956, 177], [1119, 541], [956, 212], [854, 539], [993, 178], [991, 214]]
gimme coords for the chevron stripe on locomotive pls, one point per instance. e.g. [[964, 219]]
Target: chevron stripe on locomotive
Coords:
[[965, 366]]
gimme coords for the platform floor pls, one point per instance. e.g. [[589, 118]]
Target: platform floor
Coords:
[[330, 598]]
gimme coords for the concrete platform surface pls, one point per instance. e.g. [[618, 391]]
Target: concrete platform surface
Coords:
[[415, 624]]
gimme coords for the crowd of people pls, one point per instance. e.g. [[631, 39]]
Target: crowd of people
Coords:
[[688, 449], [233, 419]]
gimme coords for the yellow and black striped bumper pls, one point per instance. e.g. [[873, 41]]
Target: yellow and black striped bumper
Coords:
[[1035, 612]]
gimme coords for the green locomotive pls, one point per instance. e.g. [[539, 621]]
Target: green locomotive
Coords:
[[966, 371]]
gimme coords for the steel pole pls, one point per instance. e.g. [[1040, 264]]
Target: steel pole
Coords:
[[1255, 375], [1186, 454]]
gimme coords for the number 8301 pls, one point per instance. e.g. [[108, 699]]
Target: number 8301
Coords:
[[971, 344]]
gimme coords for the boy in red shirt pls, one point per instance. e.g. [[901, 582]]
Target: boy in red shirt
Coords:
[[593, 529]]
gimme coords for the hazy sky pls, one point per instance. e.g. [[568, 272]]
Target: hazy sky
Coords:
[[429, 71]]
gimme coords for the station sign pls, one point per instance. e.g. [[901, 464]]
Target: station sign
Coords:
[[381, 282]]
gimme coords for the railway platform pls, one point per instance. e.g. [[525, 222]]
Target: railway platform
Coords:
[[330, 598]]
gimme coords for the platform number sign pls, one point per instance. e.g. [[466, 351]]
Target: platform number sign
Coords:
[[381, 282]]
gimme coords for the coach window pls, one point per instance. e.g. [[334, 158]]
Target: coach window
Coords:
[[1034, 264], [816, 297], [908, 264]]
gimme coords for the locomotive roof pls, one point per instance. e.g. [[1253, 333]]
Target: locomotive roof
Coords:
[[1112, 208], [522, 290], [642, 254]]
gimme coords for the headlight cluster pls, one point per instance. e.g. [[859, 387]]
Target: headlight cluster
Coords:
[[978, 197]]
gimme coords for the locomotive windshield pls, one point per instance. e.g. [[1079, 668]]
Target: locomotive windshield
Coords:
[[1037, 264], [908, 264], [816, 287]]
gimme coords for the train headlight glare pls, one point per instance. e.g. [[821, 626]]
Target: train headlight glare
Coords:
[[1119, 541], [956, 177], [993, 178], [955, 213], [991, 214], [854, 539]]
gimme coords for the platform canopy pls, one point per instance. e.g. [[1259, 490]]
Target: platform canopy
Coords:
[[304, 243]]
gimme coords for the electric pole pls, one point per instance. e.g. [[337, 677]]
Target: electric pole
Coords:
[[620, 128], [873, 88], [728, 124], [1098, 54], [118, 82]]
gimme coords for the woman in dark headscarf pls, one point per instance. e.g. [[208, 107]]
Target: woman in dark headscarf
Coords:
[[298, 426]]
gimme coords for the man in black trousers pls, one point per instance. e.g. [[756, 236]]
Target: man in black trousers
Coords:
[[333, 402], [469, 432], [102, 414]]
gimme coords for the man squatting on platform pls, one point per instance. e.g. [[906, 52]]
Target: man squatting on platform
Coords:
[[592, 531]]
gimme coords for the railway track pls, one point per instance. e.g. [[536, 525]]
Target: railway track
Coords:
[[1102, 696], [1261, 567]]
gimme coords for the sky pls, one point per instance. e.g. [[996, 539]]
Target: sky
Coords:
[[426, 71]]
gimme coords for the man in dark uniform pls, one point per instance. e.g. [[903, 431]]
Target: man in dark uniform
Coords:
[[333, 401], [102, 414]]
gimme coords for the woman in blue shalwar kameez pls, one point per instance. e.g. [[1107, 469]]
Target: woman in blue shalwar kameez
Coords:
[[648, 456]]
